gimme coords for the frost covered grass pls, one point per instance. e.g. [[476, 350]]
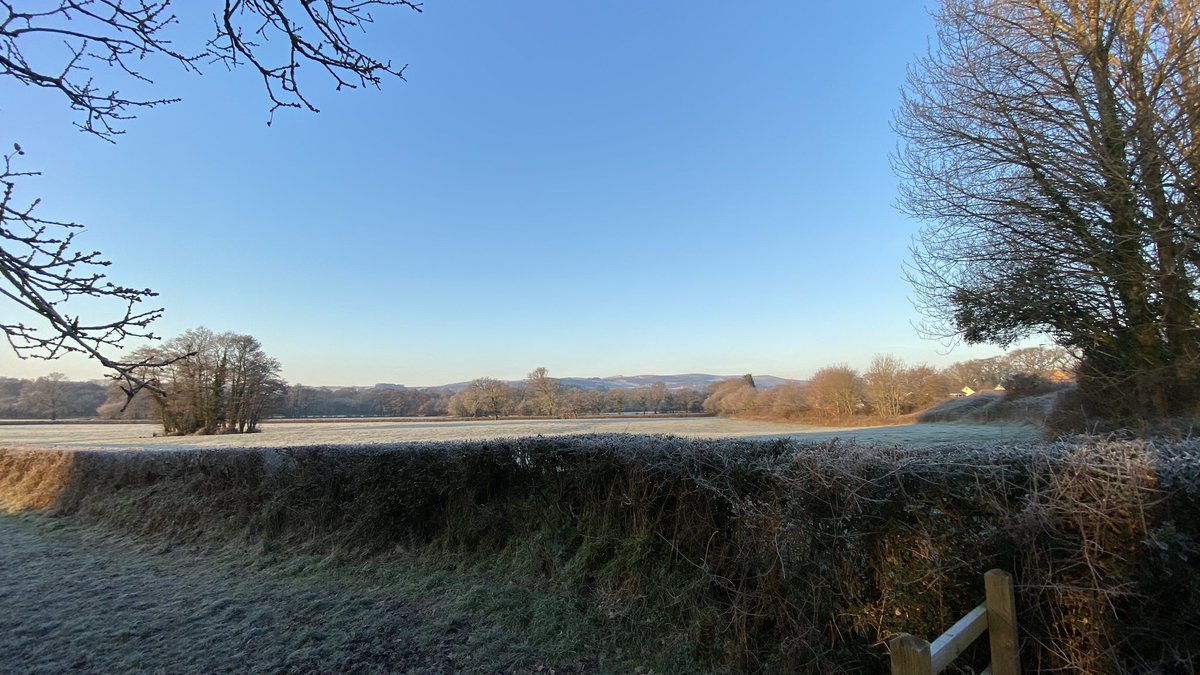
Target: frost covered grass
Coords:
[[295, 434], [80, 599], [735, 555]]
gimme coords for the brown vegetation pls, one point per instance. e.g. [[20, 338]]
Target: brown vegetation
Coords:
[[892, 392], [761, 556]]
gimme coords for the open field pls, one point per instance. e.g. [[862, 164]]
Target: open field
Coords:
[[295, 434]]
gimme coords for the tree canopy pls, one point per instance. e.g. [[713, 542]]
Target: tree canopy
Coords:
[[1050, 147], [227, 384]]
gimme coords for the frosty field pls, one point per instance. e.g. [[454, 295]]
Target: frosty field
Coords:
[[292, 434]]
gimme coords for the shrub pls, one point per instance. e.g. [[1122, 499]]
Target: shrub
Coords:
[[1022, 385]]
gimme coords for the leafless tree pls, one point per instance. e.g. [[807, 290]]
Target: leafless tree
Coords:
[[118, 406], [254, 384], [1040, 361], [1051, 146], [788, 401], [86, 51], [43, 271], [884, 385], [731, 397], [44, 396], [545, 391], [483, 397], [616, 400], [656, 396], [497, 397], [836, 391], [226, 385], [978, 374], [924, 386], [77, 47]]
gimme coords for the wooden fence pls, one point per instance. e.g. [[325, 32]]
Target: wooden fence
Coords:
[[997, 615]]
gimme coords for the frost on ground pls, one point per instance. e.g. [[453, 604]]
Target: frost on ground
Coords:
[[294, 434], [76, 601]]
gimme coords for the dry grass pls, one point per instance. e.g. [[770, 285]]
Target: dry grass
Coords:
[[991, 408], [33, 481], [747, 556]]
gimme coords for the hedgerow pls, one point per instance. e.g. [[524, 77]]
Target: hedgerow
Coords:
[[772, 556]]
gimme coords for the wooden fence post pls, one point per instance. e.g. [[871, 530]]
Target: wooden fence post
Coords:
[[1002, 623], [910, 655]]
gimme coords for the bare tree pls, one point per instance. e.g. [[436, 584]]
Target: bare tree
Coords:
[[836, 391], [616, 400], [118, 406], [496, 396], [466, 402], [885, 388], [924, 386], [42, 272], [689, 400], [98, 40], [978, 374], [656, 396], [483, 397], [1051, 146], [1040, 361], [789, 401], [731, 397], [253, 382], [545, 391], [44, 396], [226, 384], [78, 49]]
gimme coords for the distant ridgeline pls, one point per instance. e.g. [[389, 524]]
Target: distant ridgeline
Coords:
[[889, 388]]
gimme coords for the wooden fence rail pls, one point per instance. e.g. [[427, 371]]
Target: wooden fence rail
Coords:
[[997, 616]]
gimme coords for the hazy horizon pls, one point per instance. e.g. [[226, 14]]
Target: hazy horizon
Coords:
[[51, 367]]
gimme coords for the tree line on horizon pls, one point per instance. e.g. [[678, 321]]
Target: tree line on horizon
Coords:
[[1049, 150], [229, 384], [889, 388]]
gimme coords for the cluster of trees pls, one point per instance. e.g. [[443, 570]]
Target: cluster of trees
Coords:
[[222, 383], [1048, 363], [212, 383], [543, 396], [380, 401], [51, 397], [888, 388]]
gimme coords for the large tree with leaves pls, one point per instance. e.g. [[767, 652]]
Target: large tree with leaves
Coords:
[[87, 51], [1050, 146]]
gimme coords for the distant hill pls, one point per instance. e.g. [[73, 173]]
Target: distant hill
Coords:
[[684, 381]]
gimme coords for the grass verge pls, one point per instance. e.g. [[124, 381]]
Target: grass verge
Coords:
[[698, 555]]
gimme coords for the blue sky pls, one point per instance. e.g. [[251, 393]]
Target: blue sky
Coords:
[[645, 188]]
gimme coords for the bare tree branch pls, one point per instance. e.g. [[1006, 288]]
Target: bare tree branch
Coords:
[[70, 47], [113, 36], [41, 270], [1051, 149]]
